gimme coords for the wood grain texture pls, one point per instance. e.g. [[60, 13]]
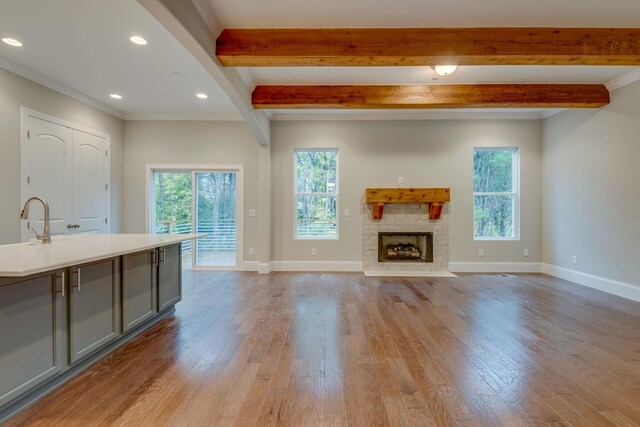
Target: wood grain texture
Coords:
[[428, 46], [407, 195], [432, 96], [288, 349], [434, 197]]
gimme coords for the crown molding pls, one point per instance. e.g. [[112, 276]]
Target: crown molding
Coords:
[[624, 80], [422, 115], [58, 87], [216, 117]]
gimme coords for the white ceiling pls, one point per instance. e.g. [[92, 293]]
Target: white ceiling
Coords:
[[426, 13], [84, 45], [425, 75]]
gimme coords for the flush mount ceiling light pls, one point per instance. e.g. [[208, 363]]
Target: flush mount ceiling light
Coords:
[[445, 70], [116, 96], [12, 42], [202, 95], [138, 40]]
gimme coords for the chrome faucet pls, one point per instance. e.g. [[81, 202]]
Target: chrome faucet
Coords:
[[46, 236]]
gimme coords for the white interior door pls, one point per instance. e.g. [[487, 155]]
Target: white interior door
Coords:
[[89, 183], [48, 166]]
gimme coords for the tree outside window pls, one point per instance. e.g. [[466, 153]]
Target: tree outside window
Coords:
[[495, 193], [316, 193]]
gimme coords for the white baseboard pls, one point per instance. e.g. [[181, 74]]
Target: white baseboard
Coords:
[[341, 266], [621, 289], [249, 266], [495, 267]]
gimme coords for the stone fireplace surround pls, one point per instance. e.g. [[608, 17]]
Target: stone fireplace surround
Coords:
[[405, 217]]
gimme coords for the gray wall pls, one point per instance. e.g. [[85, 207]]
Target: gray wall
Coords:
[[591, 188], [16, 92], [184, 142], [427, 154]]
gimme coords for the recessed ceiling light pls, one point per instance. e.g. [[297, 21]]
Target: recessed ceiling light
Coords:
[[138, 40], [445, 70], [12, 42], [116, 96], [202, 95]]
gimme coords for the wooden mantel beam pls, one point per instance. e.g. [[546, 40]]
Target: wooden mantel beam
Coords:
[[431, 96], [428, 46]]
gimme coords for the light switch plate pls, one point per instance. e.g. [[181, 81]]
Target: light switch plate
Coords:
[[250, 251], [401, 180], [526, 252], [252, 212], [314, 252], [480, 252], [347, 212]]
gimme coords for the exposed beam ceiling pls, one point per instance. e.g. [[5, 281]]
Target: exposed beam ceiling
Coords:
[[431, 96], [428, 46]]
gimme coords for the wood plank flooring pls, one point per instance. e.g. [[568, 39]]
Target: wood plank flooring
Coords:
[[341, 349]]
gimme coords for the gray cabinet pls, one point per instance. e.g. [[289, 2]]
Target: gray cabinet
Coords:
[[93, 307], [31, 332], [139, 296], [169, 276]]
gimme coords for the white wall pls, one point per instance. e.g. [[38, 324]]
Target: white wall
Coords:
[[427, 154], [592, 188], [16, 92], [184, 142]]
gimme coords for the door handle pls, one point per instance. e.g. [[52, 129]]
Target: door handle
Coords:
[[61, 291], [77, 285], [162, 255]]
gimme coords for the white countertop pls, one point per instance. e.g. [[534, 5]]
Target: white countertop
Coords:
[[24, 259]]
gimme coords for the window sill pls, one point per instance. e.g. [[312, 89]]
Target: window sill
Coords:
[[496, 239]]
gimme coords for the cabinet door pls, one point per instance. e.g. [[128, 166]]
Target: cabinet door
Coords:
[[93, 308], [31, 333], [169, 276], [139, 298]]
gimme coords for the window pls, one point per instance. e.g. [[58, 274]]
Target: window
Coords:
[[316, 194], [495, 193]]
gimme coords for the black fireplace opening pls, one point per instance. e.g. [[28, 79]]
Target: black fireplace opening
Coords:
[[405, 247]]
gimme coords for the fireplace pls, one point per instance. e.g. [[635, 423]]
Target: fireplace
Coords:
[[405, 247]]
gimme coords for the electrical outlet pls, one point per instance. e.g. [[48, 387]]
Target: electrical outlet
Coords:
[[401, 180], [526, 252], [347, 212], [314, 252], [252, 212], [480, 252], [574, 259], [250, 251]]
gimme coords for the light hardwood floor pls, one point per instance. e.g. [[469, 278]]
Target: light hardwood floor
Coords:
[[341, 349]]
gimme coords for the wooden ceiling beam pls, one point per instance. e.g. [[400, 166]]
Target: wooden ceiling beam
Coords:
[[428, 46], [431, 96]]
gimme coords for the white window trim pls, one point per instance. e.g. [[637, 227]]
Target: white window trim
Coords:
[[296, 194], [515, 194]]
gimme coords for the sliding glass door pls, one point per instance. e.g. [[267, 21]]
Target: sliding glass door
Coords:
[[215, 209], [190, 201]]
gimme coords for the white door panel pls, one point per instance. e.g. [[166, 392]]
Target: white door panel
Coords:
[[49, 152], [69, 169], [89, 182]]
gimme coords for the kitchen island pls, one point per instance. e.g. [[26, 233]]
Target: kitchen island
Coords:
[[67, 304]]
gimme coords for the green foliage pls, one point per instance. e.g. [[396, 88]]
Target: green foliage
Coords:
[[493, 173], [173, 198], [316, 188]]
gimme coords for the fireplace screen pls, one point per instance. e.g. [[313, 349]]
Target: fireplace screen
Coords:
[[405, 247]]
